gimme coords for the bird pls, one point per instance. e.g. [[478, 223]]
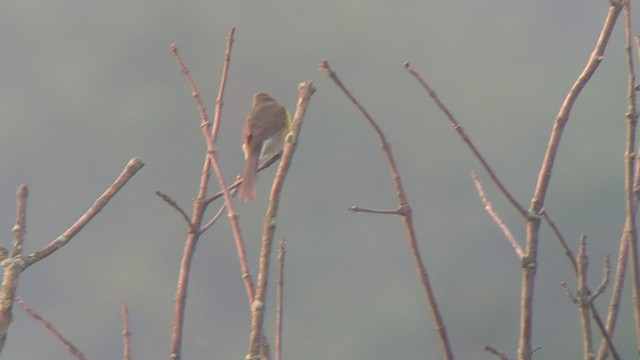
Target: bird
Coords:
[[267, 124]]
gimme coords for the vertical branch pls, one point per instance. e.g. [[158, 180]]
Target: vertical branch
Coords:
[[199, 207], [583, 298], [632, 121], [628, 239], [200, 203], [20, 228], [544, 177], [13, 266], [279, 299], [126, 333], [305, 90], [562, 118], [223, 82], [404, 209]]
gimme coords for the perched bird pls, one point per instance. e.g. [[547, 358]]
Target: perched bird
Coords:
[[264, 131]]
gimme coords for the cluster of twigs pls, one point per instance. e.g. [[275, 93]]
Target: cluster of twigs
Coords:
[[258, 343], [533, 216], [14, 262]]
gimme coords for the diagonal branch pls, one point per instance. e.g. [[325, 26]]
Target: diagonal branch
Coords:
[[496, 218], [405, 212], [131, 169], [467, 140]]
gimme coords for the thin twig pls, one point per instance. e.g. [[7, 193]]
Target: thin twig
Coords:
[[126, 333], [403, 204], [215, 217], [174, 205], [131, 169], [496, 218], [467, 140], [605, 280], [568, 292], [606, 336], [572, 260], [492, 350], [356, 209], [305, 90], [279, 299], [73, 350], [223, 82], [567, 250]]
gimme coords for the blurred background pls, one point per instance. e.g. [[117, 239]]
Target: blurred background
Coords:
[[86, 86]]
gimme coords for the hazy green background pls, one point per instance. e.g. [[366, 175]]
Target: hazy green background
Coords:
[[85, 86]]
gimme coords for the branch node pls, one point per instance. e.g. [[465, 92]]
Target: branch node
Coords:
[[534, 216]]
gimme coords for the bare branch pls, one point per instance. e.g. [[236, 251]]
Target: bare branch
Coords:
[[20, 228], [279, 299], [568, 292], [215, 217], [467, 140], [544, 177], [174, 205], [628, 239], [223, 84], [356, 209], [13, 266], [200, 202], [496, 218], [126, 333], [629, 157], [73, 350], [605, 280], [492, 350], [305, 90], [403, 205], [563, 243], [131, 169]]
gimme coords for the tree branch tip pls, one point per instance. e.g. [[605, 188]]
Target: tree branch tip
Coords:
[[324, 65], [494, 351], [307, 84], [136, 163]]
